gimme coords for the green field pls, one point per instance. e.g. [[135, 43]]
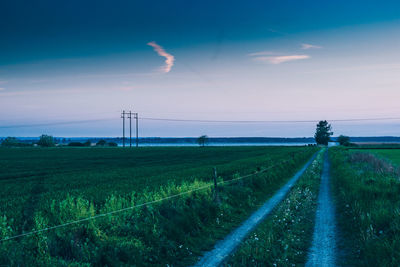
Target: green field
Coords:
[[47, 187], [391, 154], [366, 187]]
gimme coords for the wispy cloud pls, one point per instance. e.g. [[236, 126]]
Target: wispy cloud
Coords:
[[2, 89], [280, 59], [310, 46], [262, 53], [169, 59]]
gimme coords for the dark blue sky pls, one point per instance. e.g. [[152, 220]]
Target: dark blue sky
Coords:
[[37, 30]]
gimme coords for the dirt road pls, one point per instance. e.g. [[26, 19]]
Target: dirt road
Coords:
[[226, 246], [323, 249]]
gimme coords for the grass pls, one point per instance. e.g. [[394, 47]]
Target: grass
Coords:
[[367, 196], [391, 154], [46, 187], [284, 238]]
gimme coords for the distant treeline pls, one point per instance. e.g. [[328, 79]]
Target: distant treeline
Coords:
[[193, 140], [180, 140], [373, 139]]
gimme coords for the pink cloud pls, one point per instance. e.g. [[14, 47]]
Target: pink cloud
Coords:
[[169, 59], [281, 59], [310, 46], [262, 53]]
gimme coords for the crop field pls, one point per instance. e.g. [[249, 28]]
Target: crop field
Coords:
[[391, 154], [47, 187]]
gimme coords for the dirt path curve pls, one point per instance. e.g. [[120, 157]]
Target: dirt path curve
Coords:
[[323, 248], [225, 247]]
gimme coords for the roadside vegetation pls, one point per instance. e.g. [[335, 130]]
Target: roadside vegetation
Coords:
[[284, 238], [391, 155], [367, 192], [46, 187]]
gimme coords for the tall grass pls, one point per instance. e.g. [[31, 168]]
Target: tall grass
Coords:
[[367, 194]]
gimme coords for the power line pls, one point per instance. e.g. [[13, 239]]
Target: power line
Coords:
[[266, 121], [192, 120]]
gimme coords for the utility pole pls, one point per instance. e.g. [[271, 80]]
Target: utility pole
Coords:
[[130, 128], [137, 128], [123, 127]]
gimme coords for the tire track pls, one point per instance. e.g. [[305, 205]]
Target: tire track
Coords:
[[225, 247], [323, 248]]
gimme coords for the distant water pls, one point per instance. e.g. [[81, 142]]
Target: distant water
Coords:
[[218, 144]]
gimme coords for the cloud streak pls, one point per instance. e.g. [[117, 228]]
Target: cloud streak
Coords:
[[281, 59], [262, 53], [310, 46], [169, 59]]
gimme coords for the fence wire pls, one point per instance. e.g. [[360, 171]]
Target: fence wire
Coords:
[[140, 205]]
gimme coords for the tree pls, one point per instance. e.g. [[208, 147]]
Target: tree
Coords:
[[10, 141], [101, 143], [88, 143], [75, 144], [343, 140], [112, 144], [202, 140], [323, 133], [46, 140]]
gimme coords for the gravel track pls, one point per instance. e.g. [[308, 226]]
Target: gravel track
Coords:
[[225, 247], [323, 248]]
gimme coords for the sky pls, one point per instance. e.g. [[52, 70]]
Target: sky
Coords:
[[68, 68]]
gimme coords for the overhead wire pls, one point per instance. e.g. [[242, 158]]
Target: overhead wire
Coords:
[[191, 120]]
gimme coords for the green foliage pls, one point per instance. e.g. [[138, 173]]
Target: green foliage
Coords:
[[13, 142], [202, 140], [10, 141], [323, 133], [101, 143], [391, 154], [46, 141], [112, 144], [61, 185], [343, 140], [76, 144], [367, 193], [88, 143]]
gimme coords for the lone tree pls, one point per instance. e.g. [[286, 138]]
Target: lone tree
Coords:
[[46, 140], [202, 140], [323, 133], [343, 140]]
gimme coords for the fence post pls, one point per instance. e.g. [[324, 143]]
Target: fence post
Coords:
[[216, 196]]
